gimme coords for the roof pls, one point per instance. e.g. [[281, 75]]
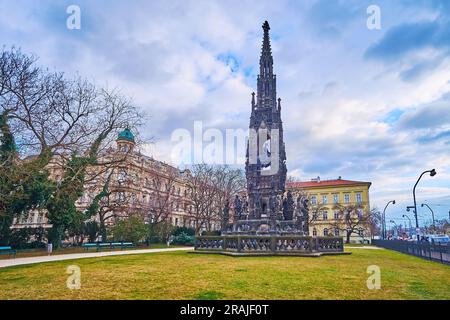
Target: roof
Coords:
[[325, 183], [126, 135]]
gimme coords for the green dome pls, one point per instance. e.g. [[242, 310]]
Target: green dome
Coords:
[[126, 135]]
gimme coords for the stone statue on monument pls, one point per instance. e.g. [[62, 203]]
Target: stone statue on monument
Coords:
[[225, 215], [237, 207]]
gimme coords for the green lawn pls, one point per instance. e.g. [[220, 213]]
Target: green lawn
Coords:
[[180, 275], [25, 253]]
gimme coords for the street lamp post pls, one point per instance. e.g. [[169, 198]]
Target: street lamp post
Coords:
[[395, 225], [384, 218], [432, 174], [410, 226], [432, 213]]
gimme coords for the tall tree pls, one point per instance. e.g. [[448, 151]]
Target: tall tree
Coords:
[[23, 184], [67, 121], [209, 188]]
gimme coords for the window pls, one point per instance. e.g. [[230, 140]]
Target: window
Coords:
[[122, 176], [336, 215], [325, 215], [359, 197], [176, 221], [347, 197], [314, 232], [325, 232], [324, 199], [313, 200], [121, 196], [359, 213], [336, 232], [335, 198]]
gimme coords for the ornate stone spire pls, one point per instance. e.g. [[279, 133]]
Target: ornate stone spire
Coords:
[[266, 60], [266, 92], [253, 101]]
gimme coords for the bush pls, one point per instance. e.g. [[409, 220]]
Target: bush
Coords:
[[132, 229], [211, 233], [27, 238], [185, 230], [183, 239], [160, 232]]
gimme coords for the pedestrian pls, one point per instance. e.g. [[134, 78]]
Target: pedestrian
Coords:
[[49, 248]]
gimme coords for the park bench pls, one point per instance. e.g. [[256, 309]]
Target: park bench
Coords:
[[110, 245], [8, 250]]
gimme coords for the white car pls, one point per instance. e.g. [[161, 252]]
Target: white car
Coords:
[[433, 238]]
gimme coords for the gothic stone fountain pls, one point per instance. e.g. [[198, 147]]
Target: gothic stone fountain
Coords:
[[269, 221]]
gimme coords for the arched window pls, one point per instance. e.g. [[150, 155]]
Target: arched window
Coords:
[[325, 232], [336, 232], [325, 215], [314, 232]]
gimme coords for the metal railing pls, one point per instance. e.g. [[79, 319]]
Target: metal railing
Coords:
[[430, 251]]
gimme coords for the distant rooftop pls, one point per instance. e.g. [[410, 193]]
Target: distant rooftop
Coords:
[[316, 182]]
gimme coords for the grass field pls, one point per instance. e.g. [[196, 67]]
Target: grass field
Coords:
[[180, 275], [43, 251]]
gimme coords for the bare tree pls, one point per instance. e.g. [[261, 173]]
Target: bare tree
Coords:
[[209, 188], [228, 182], [162, 200], [374, 222], [202, 193], [351, 219]]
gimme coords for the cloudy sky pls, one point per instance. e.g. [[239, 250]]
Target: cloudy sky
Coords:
[[369, 105]]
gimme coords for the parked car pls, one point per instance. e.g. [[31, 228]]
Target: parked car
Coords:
[[434, 238]]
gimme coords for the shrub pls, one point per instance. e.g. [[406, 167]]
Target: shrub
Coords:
[[211, 233], [131, 229], [179, 230], [183, 239], [27, 238]]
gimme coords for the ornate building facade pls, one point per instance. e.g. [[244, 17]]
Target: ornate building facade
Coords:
[[137, 184], [329, 198]]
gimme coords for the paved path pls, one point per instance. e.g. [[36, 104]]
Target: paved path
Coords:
[[364, 247], [59, 257]]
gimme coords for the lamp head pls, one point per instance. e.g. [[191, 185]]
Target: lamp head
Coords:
[[433, 172], [407, 209], [393, 201], [422, 205]]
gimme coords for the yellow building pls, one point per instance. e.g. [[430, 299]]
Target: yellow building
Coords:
[[329, 200]]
